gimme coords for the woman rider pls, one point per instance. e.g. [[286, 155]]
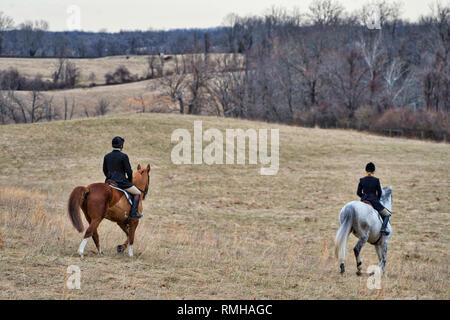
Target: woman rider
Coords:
[[369, 188], [115, 165]]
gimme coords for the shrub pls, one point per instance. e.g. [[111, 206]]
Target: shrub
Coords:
[[322, 116], [11, 79], [121, 75], [421, 124], [365, 117]]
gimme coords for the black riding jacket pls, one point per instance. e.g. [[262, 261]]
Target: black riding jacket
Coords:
[[115, 166], [369, 188]]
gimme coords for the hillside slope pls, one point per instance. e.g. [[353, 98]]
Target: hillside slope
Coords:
[[219, 231]]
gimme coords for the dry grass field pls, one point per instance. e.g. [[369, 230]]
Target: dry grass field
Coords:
[[123, 98], [219, 232], [30, 67]]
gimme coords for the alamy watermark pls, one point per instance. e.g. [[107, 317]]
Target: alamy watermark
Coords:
[[374, 281], [214, 153], [73, 21], [74, 280], [373, 17]]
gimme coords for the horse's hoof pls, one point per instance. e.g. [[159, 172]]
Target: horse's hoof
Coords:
[[358, 273], [120, 249], [342, 268]]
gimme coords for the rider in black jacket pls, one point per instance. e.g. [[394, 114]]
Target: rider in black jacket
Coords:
[[369, 188], [115, 166]]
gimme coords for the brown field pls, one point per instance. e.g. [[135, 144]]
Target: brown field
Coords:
[[137, 65], [30, 67], [219, 232], [123, 98]]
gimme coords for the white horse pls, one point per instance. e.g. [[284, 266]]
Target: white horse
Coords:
[[365, 223]]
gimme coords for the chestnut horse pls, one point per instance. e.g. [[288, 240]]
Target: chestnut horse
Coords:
[[99, 201]]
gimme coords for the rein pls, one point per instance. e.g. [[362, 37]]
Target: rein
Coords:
[[145, 191]]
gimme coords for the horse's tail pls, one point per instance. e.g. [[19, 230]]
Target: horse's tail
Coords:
[[75, 201], [340, 242]]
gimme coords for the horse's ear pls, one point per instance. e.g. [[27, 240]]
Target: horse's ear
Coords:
[[139, 167], [148, 167]]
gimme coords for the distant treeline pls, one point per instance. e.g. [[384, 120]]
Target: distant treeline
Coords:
[[37, 42]]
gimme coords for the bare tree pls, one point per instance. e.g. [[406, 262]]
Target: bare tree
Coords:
[[66, 74], [436, 78], [196, 83], [6, 23], [151, 62], [50, 112], [102, 107], [373, 54], [379, 13], [32, 34], [173, 86], [397, 82], [59, 65], [344, 74], [325, 12], [67, 115], [32, 109], [5, 106]]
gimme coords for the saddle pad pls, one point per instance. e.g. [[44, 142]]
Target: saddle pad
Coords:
[[126, 194]]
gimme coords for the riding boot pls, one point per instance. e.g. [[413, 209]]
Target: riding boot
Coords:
[[134, 208], [384, 225]]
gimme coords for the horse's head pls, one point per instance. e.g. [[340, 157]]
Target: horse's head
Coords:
[[386, 198], [141, 179]]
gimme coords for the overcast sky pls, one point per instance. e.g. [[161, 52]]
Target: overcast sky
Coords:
[[114, 15]]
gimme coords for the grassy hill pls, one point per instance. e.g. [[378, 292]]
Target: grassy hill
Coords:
[[219, 231]]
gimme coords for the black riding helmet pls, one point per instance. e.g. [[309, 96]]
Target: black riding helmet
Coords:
[[370, 167], [117, 142]]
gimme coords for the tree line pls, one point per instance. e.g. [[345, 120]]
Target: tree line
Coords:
[[326, 67]]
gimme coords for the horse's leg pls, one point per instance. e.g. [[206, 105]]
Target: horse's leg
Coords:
[[124, 227], [89, 233], [94, 235], [379, 251], [384, 247], [357, 250], [133, 225], [97, 242]]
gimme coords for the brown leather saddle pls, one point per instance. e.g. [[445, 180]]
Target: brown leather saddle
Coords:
[[368, 202], [111, 182]]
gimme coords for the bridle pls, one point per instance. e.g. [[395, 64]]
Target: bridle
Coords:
[[145, 191]]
